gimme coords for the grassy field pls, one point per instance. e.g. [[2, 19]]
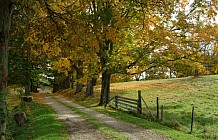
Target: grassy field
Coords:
[[42, 122], [177, 96]]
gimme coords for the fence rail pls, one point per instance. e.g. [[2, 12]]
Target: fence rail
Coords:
[[133, 105]]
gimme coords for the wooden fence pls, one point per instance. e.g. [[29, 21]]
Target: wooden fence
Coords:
[[133, 105]]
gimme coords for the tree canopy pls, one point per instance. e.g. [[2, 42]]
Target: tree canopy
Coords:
[[83, 40]]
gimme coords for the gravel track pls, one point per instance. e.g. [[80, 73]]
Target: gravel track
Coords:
[[82, 130], [78, 128]]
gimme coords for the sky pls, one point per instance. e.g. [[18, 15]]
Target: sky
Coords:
[[191, 1]]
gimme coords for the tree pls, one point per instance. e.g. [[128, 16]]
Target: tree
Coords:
[[111, 36], [179, 38], [5, 14], [23, 23]]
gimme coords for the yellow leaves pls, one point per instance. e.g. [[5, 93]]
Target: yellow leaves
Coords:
[[51, 49], [201, 69], [56, 8], [215, 68], [45, 47], [133, 70], [41, 13], [62, 66], [82, 80]]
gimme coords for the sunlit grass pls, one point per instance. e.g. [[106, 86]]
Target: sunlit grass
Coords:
[[177, 96]]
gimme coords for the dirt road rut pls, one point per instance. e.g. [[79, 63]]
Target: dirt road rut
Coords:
[[80, 129]]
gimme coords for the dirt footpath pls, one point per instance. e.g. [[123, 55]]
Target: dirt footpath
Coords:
[[133, 132], [78, 128]]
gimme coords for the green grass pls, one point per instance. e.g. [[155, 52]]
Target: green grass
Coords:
[[108, 131], [177, 96], [174, 134], [42, 122]]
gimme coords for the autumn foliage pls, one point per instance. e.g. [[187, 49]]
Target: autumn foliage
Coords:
[[82, 41]]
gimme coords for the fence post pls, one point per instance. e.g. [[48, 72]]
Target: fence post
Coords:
[[157, 108], [161, 113], [139, 102], [116, 101], [192, 121]]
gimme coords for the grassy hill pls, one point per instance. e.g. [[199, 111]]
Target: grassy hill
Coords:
[[177, 96]]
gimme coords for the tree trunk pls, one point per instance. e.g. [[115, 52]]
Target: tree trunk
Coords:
[[27, 85], [56, 87], [67, 82], [71, 73], [33, 87], [105, 88], [90, 87], [105, 50], [28, 69], [72, 82], [79, 87], [79, 75], [196, 73], [5, 12]]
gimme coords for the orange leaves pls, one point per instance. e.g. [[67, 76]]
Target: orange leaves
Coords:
[[205, 36], [111, 34], [94, 43]]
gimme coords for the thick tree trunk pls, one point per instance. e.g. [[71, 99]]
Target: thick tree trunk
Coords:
[[5, 11], [79, 87], [106, 49], [105, 88], [90, 87], [79, 75]]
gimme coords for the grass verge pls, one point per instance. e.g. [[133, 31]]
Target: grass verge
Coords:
[[42, 123], [174, 134]]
